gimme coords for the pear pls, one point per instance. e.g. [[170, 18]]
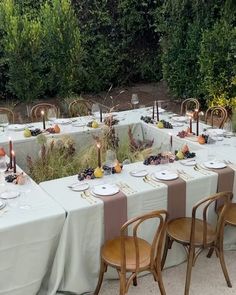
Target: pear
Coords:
[[95, 124], [27, 133], [98, 172], [160, 124], [180, 155]]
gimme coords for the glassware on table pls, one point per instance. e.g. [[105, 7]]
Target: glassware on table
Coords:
[[51, 114], [24, 200], [134, 99], [95, 110], [3, 168], [4, 121], [110, 161]]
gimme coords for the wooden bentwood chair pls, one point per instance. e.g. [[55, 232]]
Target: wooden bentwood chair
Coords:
[[131, 254], [217, 112], [197, 234], [79, 107], [189, 104], [230, 215], [8, 113], [35, 112]]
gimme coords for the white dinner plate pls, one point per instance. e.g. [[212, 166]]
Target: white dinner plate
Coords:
[[79, 187], [16, 127], [139, 173], [188, 162], [62, 121], [215, 131], [9, 195], [2, 204], [105, 189], [214, 164], [179, 119], [177, 124], [165, 175]]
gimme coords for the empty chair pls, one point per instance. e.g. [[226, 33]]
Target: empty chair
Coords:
[[230, 215], [217, 115], [198, 234], [50, 110], [7, 115], [131, 254], [79, 107], [189, 104]]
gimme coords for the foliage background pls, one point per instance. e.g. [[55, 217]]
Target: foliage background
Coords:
[[58, 47]]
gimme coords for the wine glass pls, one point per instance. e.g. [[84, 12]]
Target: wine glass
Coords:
[[110, 160], [3, 167], [51, 114], [95, 110], [4, 122], [134, 99]]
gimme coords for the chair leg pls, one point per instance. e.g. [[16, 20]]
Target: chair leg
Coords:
[[160, 281], [189, 270], [209, 254], [223, 266], [122, 284], [168, 244], [135, 283], [100, 279]]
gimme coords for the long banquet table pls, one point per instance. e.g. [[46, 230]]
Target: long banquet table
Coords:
[[70, 262]]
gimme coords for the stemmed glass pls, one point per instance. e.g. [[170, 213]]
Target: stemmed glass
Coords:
[[4, 122], [51, 114], [134, 99], [95, 110], [3, 168]]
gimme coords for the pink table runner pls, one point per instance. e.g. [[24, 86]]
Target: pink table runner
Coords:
[[115, 214], [176, 203]]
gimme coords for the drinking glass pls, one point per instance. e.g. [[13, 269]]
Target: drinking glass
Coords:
[[51, 114], [4, 122], [3, 167], [95, 110], [134, 99], [110, 160]]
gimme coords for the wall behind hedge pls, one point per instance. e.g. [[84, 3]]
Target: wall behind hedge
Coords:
[[58, 47]]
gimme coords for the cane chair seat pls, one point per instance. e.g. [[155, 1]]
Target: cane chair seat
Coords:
[[230, 215], [180, 230], [112, 249]]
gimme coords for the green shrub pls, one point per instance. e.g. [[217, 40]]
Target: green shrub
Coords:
[[218, 63], [61, 46]]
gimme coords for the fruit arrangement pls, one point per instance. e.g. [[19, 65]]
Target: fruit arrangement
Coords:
[[115, 169], [203, 138], [184, 153], [157, 159], [147, 119], [164, 124], [182, 134], [32, 132], [86, 174], [108, 121], [93, 124], [16, 178]]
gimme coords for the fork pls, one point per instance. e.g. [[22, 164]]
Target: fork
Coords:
[[89, 196], [201, 171], [83, 196], [150, 181]]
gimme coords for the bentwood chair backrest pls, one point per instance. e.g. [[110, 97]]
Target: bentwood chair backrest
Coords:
[[35, 112], [223, 198], [216, 113], [189, 104], [79, 107], [8, 113]]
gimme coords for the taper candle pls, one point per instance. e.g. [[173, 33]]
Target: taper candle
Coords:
[[197, 123], [190, 124], [100, 110], [14, 161], [99, 154], [171, 141], [43, 117], [10, 151], [157, 110], [153, 110]]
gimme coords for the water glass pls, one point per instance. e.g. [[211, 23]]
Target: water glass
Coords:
[[134, 99], [51, 114], [4, 122], [3, 168]]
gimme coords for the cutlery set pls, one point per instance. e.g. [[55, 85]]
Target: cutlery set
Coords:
[[126, 188], [151, 181], [88, 197]]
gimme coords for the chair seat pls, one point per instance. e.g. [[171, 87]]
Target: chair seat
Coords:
[[230, 215], [179, 229], [111, 253]]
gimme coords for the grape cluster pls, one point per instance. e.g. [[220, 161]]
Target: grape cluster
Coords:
[[153, 160], [205, 136], [108, 169], [166, 124], [35, 132], [51, 130], [108, 121], [89, 124], [10, 177], [182, 134], [87, 173], [189, 155], [147, 119]]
